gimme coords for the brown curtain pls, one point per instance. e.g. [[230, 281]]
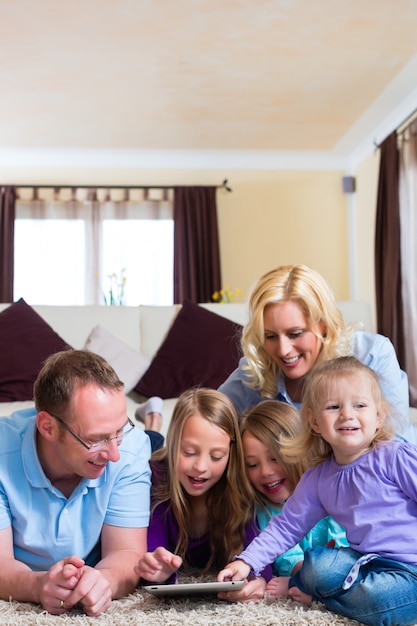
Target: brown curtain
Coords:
[[196, 244], [389, 308], [7, 217]]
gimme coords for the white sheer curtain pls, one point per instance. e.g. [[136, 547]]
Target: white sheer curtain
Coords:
[[408, 221], [72, 247]]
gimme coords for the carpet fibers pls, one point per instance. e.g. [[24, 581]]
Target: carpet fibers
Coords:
[[142, 608]]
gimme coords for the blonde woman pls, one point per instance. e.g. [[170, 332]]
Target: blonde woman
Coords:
[[293, 324], [202, 512]]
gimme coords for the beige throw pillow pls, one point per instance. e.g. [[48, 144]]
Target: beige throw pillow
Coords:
[[129, 364]]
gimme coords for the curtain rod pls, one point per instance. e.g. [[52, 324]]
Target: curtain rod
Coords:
[[409, 120], [224, 186]]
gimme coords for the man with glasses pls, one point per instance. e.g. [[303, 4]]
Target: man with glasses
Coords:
[[74, 490]]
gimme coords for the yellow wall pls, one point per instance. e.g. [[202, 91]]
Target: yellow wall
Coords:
[[270, 218], [365, 199], [275, 218]]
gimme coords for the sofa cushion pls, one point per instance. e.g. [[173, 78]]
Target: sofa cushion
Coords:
[[200, 349], [129, 364], [26, 340]]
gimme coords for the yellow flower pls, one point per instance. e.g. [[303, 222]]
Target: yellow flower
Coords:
[[226, 295]]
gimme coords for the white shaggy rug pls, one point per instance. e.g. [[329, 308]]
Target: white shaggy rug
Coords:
[[142, 608]]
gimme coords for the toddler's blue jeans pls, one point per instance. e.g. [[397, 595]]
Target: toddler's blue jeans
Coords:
[[383, 594]]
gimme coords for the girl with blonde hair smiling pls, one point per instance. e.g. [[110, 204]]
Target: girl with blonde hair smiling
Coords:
[[274, 478], [202, 512]]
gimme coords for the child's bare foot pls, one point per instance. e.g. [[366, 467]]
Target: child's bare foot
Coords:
[[299, 596], [277, 587]]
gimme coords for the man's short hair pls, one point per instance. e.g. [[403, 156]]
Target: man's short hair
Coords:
[[65, 371]]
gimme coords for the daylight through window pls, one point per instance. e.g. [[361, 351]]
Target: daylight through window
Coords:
[[76, 253]]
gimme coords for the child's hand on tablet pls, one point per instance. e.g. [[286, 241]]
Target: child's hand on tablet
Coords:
[[158, 566], [253, 591], [236, 570]]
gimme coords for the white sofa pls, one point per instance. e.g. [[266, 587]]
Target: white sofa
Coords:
[[144, 328]]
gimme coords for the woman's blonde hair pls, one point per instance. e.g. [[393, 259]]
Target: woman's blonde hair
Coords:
[[268, 421], [318, 381], [305, 287], [229, 501]]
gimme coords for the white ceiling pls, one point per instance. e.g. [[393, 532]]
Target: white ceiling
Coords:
[[249, 77]]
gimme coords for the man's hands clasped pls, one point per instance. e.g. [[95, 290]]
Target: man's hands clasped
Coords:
[[70, 582]]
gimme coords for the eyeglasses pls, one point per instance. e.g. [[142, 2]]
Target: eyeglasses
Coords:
[[98, 445]]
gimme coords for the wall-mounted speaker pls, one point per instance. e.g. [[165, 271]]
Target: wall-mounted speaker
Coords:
[[349, 184]]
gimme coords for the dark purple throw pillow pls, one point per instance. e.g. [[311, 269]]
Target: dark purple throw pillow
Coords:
[[200, 349], [25, 342]]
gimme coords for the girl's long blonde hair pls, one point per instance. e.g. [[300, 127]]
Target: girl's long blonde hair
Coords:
[[269, 421], [304, 286], [229, 501], [308, 442]]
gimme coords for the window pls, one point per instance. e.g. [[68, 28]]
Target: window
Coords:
[[142, 251], [49, 261], [90, 252]]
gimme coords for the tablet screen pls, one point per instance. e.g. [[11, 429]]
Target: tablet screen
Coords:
[[188, 589]]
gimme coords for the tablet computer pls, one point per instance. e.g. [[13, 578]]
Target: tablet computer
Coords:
[[188, 589]]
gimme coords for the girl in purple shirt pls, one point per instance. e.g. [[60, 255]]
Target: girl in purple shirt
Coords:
[[366, 481], [202, 512]]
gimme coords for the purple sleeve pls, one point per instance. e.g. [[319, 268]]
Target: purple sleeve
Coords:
[[162, 530], [158, 534], [300, 513]]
